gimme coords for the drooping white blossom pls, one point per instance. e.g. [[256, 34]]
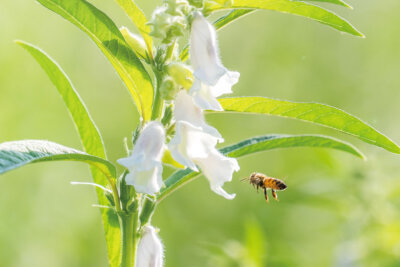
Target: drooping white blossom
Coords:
[[194, 145], [190, 143], [218, 169], [212, 78], [144, 164], [186, 110], [150, 251]]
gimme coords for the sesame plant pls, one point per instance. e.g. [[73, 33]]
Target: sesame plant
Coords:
[[174, 75]]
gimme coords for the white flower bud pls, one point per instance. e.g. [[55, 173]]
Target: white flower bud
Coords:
[[144, 165], [150, 251]]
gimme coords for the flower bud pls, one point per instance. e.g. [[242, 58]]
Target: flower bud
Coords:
[[178, 7], [167, 27], [181, 73], [168, 88], [196, 3], [150, 251], [135, 41]]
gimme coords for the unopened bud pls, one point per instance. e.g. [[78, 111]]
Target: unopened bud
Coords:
[[181, 73], [168, 88], [167, 27], [135, 41], [196, 3]]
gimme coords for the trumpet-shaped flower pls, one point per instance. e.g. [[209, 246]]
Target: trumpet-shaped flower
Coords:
[[192, 147], [213, 79], [186, 110], [150, 251], [144, 165], [218, 169]]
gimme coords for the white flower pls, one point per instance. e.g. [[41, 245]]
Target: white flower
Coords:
[[205, 96], [213, 79], [193, 145], [190, 143], [144, 165], [150, 252], [186, 110], [218, 169]]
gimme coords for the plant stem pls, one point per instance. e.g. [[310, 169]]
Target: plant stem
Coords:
[[158, 102], [147, 211], [128, 224]]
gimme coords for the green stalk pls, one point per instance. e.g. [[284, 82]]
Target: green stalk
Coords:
[[158, 102], [128, 224]]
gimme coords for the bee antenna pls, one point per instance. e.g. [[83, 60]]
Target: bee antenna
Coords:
[[244, 179]]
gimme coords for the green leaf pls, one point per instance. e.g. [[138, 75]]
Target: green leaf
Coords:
[[238, 13], [231, 16], [269, 142], [312, 112], [19, 153], [139, 19], [336, 2], [293, 7], [90, 138], [259, 144], [169, 160], [108, 38]]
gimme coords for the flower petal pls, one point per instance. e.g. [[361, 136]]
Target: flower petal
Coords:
[[186, 110], [218, 169], [190, 142], [203, 51], [144, 165], [203, 96]]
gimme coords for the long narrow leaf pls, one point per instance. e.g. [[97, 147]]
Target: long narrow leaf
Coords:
[[259, 144], [16, 154], [312, 112], [90, 138], [230, 17], [296, 8], [335, 2], [139, 19], [108, 38]]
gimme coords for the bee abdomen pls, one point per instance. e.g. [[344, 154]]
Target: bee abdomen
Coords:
[[274, 183]]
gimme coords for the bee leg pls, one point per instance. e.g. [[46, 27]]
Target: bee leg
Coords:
[[257, 188], [274, 194], [265, 194]]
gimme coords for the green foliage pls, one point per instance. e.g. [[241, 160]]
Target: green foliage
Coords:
[[312, 112], [231, 16], [90, 138], [293, 7], [139, 19], [98, 26], [269, 142], [16, 154], [336, 2], [258, 144]]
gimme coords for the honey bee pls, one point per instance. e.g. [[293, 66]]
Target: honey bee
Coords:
[[260, 180]]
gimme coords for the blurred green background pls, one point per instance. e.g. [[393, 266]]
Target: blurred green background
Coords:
[[337, 211]]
